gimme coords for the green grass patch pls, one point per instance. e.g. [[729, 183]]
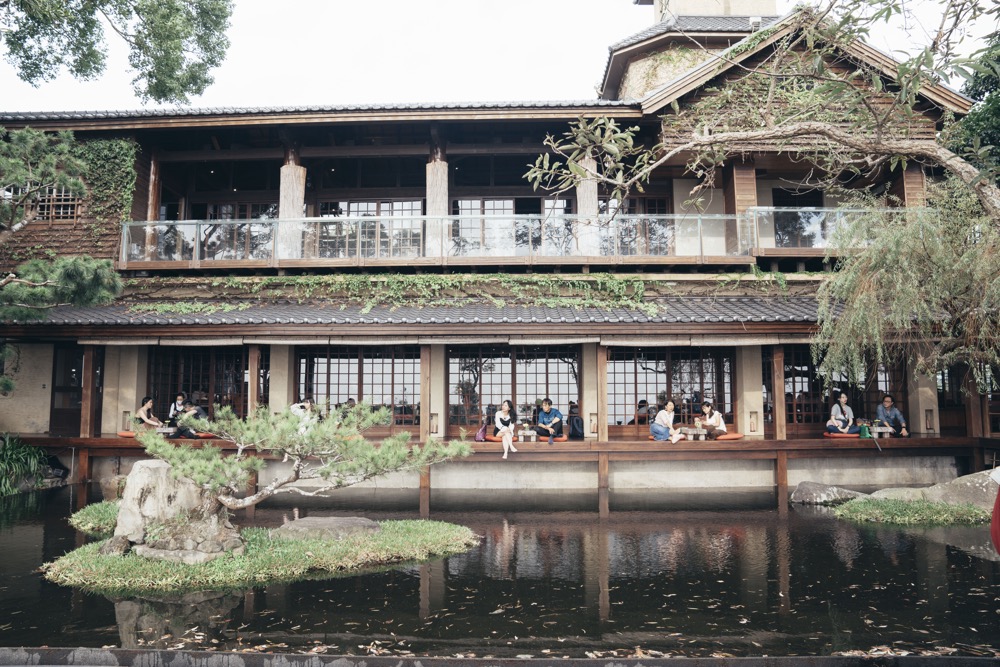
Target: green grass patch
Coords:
[[96, 519], [910, 512], [266, 560]]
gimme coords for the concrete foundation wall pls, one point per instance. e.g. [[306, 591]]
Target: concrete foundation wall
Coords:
[[873, 472], [689, 474], [26, 409], [513, 475]]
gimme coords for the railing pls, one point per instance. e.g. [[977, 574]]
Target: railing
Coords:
[[796, 228], [633, 238]]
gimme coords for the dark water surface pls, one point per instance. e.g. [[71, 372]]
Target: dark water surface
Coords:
[[744, 583]]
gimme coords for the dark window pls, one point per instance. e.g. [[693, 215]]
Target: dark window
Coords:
[[384, 376], [209, 377], [481, 377], [639, 379]]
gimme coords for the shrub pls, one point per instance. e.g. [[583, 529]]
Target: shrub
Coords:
[[18, 461]]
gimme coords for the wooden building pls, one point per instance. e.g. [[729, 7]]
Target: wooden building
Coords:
[[396, 254]]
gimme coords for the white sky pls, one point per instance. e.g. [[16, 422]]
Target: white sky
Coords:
[[333, 52]]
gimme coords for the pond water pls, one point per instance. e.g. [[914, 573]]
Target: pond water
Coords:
[[552, 584]]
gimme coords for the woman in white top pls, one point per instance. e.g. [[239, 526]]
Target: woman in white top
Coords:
[[505, 421], [176, 408], [662, 427], [711, 421]]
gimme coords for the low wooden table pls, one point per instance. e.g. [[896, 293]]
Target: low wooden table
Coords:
[[881, 431], [528, 436], [694, 432]]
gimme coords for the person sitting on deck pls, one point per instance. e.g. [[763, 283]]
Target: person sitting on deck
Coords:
[[505, 421], [144, 415], [889, 415], [307, 412], [662, 427], [642, 413], [193, 411], [550, 420], [842, 417], [176, 408], [711, 421]]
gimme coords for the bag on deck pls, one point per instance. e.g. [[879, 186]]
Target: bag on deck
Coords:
[[576, 427], [481, 433]]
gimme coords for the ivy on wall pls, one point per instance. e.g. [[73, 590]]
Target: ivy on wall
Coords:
[[110, 179]]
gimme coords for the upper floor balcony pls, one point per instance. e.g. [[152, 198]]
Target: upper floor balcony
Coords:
[[722, 239]]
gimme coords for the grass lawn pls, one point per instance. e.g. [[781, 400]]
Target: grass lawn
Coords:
[[910, 512]]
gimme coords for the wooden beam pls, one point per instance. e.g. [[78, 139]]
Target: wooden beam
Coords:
[[778, 389], [425, 395], [82, 465], [781, 477], [603, 473], [602, 392]]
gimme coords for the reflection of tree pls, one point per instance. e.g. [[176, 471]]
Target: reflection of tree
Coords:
[[797, 229], [166, 622], [470, 372]]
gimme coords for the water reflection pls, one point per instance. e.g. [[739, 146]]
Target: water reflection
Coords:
[[558, 583]]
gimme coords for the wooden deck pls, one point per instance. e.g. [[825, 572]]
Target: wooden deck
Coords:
[[971, 450]]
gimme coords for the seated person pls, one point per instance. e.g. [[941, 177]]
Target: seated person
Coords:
[[662, 427], [711, 420], [549, 421], [144, 415], [193, 411], [888, 415], [308, 412], [641, 413], [176, 408], [842, 417]]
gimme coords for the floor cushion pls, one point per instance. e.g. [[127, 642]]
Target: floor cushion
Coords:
[[732, 435], [126, 434], [561, 438], [496, 438], [205, 436], [827, 434]]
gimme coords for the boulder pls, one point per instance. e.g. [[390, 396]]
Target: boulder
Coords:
[[112, 487], [976, 489], [325, 528], [173, 519], [814, 493]]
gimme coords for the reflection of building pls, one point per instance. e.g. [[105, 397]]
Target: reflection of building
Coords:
[[382, 290]]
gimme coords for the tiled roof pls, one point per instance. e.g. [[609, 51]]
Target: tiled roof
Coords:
[[693, 24], [318, 109], [674, 310]]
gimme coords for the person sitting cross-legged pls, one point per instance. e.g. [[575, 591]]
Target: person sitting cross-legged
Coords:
[[550, 420], [193, 411], [889, 415]]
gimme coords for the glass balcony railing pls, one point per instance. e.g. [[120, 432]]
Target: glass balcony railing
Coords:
[[796, 228], [453, 238]]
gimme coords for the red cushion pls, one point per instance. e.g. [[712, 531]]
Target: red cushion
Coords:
[[496, 438], [206, 436], [561, 438], [841, 435], [126, 434], [732, 435]]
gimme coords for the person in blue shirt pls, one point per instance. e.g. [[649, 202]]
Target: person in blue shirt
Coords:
[[890, 416], [550, 420]]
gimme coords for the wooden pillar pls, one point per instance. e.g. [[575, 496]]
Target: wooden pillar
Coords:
[[153, 198], [778, 385], [587, 210], [438, 201], [740, 193], [425, 393], [89, 389], [973, 408], [253, 388], [291, 199], [910, 187], [602, 393], [425, 492]]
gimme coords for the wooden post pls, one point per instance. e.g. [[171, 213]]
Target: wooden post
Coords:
[[602, 393], [425, 492], [603, 469], [153, 198], [89, 391], [425, 393], [781, 478], [973, 408], [253, 390], [778, 387], [82, 466]]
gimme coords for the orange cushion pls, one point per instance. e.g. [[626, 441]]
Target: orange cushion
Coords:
[[496, 438], [206, 436], [126, 434], [561, 438], [827, 434], [732, 435]]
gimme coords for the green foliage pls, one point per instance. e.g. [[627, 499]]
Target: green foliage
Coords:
[[96, 519], [18, 461], [186, 307], [173, 44], [265, 561], [910, 512], [109, 174], [917, 283], [978, 134], [31, 164], [40, 284], [333, 450]]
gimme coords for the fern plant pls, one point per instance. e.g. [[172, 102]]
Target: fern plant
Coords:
[[18, 461]]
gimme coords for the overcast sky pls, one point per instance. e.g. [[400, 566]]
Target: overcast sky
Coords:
[[334, 52]]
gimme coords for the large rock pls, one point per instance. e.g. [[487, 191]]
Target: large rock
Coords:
[[975, 489], [325, 528], [814, 493], [173, 519]]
